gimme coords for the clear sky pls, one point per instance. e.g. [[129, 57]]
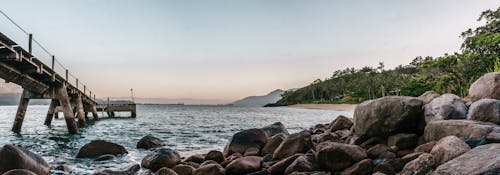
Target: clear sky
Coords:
[[223, 50]]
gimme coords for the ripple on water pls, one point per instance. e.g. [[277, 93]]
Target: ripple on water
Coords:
[[188, 129]]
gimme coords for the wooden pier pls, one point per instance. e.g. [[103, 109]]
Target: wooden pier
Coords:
[[41, 81]]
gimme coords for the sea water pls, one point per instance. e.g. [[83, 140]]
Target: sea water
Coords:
[[185, 128]]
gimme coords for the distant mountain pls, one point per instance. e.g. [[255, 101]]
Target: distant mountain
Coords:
[[272, 97]]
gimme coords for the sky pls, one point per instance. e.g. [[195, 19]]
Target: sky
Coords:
[[218, 51]]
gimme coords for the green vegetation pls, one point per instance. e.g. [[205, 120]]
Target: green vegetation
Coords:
[[451, 73]]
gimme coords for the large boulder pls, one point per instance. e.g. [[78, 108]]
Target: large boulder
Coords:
[[480, 160], [14, 157], [148, 142], [464, 129], [419, 166], [445, 107], [243, 140], [487, 86], [448, 148], [211, 169], [428, 96], [340, 123], [295, 143], [159, 158], [98, 148], [486, 110], [273, 143], [275, 128], [184, 169], [165, 171], [244, 165], [333, 156], [388, 115]]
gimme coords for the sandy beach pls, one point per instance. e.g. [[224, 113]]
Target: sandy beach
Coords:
[[338, 107]]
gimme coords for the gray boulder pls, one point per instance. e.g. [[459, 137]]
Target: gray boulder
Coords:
[[98, 148], [463, 129], [244, 165], [148, 142], [448, 148], [243, 140], [428, 96], [486, 110], [159, 158], [295, 143], [14, 157], [419, 166], [487, 86], [275, 128], [389, 115], [480, 160], [333, 156], [445, 107], [340, 123]]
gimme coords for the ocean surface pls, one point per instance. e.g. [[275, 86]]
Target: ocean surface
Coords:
[[187, 129]]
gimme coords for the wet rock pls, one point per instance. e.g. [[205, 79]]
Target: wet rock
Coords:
[[379, 151], [401, 153], [273, 143], [327, 136], [244, 165], [372, 142], [212, 169], [279, 167], [487, 86], [486, 110], [385, 116], [386, 168], [197, 158], [241, 141], [127, 170], [403, 140], [105, 157], [361, 168], [98, 148], [231, 158], [165, 171], [448, 148], [275, 128], [480, 160], [461, 128], [333, 156], [183, 169], [445, 107], [216, 156], [19, 172], [148, 142], [159, 158], [340, 123], [303, 163], [294, 143], [428, 96], [420, 166], [426, 147], [14, 157]]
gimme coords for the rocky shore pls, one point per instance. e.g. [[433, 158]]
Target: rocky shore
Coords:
[[430, 134]]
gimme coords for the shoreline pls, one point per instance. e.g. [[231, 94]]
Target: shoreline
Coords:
[[337, 107]]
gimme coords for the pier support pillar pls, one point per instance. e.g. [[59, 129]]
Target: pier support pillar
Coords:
[[21, 112], [63, 97], [79, 112], [94, 112], [51, 112]]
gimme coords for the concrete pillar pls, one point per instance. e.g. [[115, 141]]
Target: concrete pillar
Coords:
[[94, 112], [63, 97], [79, 112], [21, 112], [51, 112]]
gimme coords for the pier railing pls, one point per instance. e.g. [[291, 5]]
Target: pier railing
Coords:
[[39, 52]]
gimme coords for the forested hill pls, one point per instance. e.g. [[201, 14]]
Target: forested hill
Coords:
[[450, 73]]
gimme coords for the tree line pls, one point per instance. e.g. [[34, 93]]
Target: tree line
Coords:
[[450, 73]]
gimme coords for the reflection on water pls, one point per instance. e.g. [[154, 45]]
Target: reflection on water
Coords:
[[188, 129]]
